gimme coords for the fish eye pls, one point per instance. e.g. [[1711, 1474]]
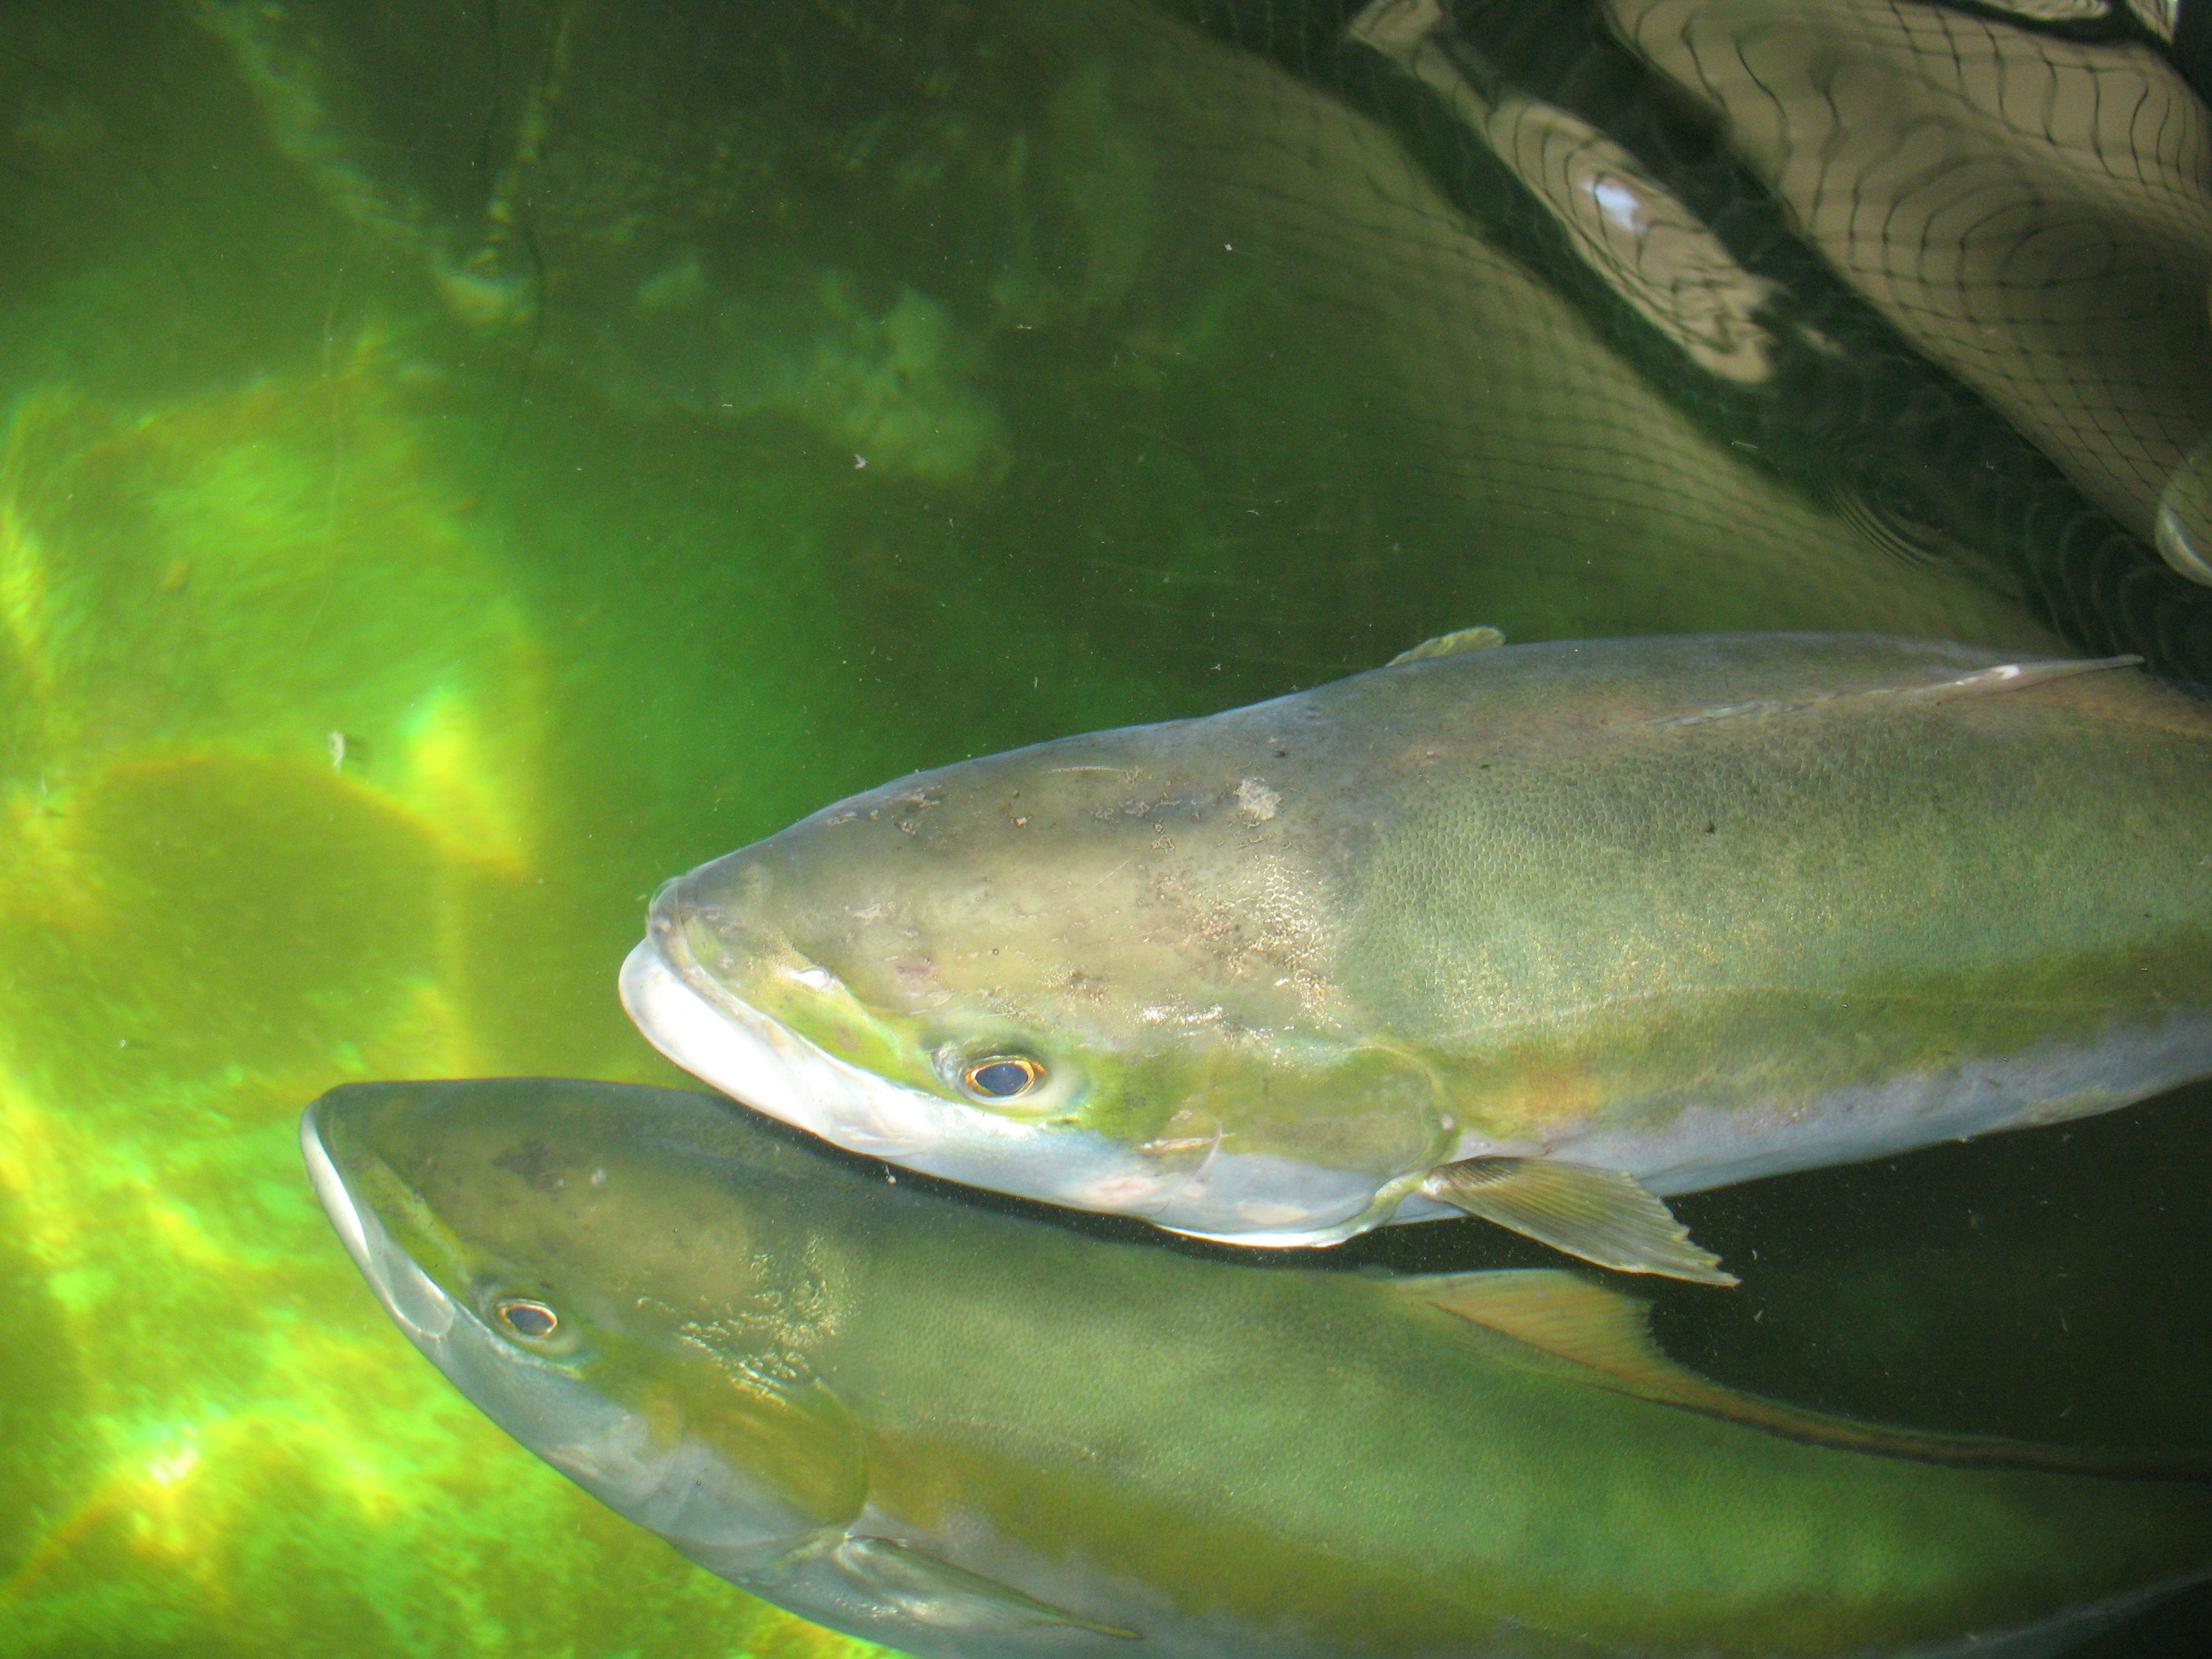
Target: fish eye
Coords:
[[526, 1318], [1001, 1076]]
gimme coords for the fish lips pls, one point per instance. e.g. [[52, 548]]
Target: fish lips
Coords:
[[702, 1025], [756, 1059], [416, 1302]]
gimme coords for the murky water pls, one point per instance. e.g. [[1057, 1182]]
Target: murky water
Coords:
[[465, 462]]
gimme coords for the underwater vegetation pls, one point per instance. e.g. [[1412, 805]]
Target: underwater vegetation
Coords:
[[460, 464]]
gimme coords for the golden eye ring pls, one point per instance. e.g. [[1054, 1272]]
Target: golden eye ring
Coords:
[[1001, 1076], [526, 1318]]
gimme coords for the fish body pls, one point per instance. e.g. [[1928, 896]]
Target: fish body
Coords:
[[1621, 919], [964, 1432]]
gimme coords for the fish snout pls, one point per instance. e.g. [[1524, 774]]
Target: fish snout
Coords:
[[411, 1296], [705, 1027], [715, 918]]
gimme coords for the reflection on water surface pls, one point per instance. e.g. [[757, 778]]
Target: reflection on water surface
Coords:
[[464, 463]]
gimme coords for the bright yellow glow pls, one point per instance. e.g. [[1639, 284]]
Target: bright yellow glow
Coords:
[[207, 922]]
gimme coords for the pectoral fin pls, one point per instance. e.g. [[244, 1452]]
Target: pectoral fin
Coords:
[[946, 1597], [1450, 645], [1600, 1215], [1609, 1336]]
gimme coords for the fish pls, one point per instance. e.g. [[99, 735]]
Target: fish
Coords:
[[2075, 225], [1624, 225], [1774, 269], [977, 1431], [1544, 933]]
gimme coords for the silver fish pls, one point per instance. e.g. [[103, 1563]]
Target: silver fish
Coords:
[[975, 1434], [1544, 934]]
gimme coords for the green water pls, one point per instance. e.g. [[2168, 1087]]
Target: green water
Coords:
[[464, 464]]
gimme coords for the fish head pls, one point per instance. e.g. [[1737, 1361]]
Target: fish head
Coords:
[[1099, 972], [621, 1299]]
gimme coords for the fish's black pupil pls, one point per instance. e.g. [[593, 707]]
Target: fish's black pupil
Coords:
[[1002, 1078], [528, 1318]]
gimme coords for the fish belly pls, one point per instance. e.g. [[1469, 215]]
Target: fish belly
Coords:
[[2051, 1082]]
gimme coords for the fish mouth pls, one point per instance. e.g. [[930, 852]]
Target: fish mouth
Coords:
[[416, 1302], [754, 1057], [678, 1486], [697, 1021], [703, 1026]]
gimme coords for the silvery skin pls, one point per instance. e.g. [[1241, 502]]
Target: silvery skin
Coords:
[[1546, 932], [964, 1432]]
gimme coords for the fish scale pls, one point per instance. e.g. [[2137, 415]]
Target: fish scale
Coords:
[[1543, 933], [1004, 1437]]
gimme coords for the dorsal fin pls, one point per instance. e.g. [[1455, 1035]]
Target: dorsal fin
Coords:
[[1610, 1335], [1450, 645], [1976, 682]]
